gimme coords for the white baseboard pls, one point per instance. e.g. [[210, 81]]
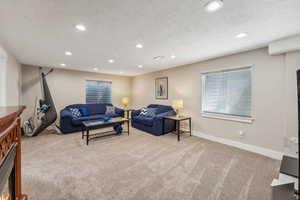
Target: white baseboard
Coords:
[[255, 149]]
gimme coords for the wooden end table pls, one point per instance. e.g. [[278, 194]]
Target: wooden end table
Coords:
[[127, 112], [177, 120]]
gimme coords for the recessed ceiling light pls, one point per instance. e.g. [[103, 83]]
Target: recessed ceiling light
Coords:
[[214, 5], [111, 60], [63, 64], [68, 53], [96, 68], [173, 56], [80, 27], [139, 46], [241, 35], [158, 57], [140, 66]]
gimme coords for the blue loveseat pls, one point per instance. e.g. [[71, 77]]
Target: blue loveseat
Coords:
[[154, 125], [70, 123]]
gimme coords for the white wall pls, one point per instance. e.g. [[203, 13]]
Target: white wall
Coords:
[[3, 58], [10, 79], [292, 62], [274, 94], [267, 130], [285, 45], [68, 87]]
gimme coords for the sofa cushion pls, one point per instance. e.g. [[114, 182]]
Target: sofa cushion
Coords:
[[84, 111], [77, 121], [160, 108], [97, 108], [150, 112], [93, 109], [113, 115], [147, 121]]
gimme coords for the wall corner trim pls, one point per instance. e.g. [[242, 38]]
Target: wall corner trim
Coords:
[[251, 148]]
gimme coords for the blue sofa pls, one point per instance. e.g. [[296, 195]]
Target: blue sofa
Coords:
[[70, 124], [154, 125]]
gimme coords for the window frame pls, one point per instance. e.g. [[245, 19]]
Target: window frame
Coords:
[[99, 80], [242, 119]]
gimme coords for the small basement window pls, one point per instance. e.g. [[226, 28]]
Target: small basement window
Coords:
[[98, 92]]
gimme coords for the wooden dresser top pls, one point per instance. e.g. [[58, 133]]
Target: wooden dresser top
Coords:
[[10, 110]]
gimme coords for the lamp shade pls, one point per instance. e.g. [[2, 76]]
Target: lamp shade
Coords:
[[125, 100], [177, 104]]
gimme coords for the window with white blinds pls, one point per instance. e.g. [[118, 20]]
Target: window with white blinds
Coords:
[[98, 92], [227, 92]]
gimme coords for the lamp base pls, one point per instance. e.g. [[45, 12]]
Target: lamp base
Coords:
[[177, 113]]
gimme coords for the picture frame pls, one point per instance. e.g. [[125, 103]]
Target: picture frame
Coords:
[[161, 88]]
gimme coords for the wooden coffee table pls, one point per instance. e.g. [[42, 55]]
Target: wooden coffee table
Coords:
[[98, 124]]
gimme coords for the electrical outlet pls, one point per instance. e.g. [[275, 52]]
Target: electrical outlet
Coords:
[[294, 140], [241, 134]]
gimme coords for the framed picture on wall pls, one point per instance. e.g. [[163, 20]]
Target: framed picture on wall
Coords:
[[161, 88]]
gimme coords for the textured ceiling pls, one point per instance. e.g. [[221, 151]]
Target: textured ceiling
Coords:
[[39, 32]]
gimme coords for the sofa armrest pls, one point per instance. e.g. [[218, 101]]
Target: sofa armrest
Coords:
[[119, 111], [135, 113], [66, 113], [159, 122]]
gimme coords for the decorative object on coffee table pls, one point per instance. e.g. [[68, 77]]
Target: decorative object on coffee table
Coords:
[[98, 124], [177, 104], [177, 121], [161, 88]]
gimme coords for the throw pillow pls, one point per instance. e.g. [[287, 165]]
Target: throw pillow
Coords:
[[110, 110], [84, 112], [143, 112], [75, 112], [148, 112], [151, 112]]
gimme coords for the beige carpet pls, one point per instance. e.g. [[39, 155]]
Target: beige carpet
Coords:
[[142, 167]]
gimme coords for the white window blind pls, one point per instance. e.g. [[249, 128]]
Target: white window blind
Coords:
[[98, 92], [227, 92]]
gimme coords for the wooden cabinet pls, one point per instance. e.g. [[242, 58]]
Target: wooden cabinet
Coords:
[[10, 150]]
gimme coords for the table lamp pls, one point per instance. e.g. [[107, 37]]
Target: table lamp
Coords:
[[125, 101], [177, 104]]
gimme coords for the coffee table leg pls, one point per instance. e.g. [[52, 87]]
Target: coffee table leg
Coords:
[[128, 127], [178, 130], [82, 133], [163, 125], [190, 126], [87, 136]]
